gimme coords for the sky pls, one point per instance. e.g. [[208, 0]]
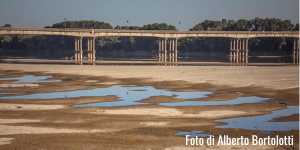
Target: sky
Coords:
[[41, 13]]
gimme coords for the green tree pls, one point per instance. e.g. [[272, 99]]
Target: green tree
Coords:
[[7, 25], [296, 27]]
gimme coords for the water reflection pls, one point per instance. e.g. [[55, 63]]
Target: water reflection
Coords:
[[238, 61], [296, 56], [200, 58]]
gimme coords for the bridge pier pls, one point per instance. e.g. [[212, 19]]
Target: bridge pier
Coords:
[[91, 52], [165, 52], [162, 50], [176, 51], [244, 50], [233, 52], [238, 51], [78, 49], [296, 51], [165, 49], [159, 50], [172, 50]]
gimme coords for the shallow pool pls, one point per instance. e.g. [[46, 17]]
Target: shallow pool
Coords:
[[31, 79], [131, 95], [263, 123]]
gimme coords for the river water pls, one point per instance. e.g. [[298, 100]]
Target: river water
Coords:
[[222, 57]]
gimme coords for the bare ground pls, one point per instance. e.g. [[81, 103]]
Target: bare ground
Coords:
[[53, 124]]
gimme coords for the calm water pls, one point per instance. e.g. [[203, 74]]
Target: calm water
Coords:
[[131, 95], [31, 79], [261, 123], [193, 134], [254, 57]]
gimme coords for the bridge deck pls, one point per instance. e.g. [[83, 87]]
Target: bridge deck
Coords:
[[147, 33]]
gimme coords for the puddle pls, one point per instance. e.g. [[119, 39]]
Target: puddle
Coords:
[[240, 100], [31, 79], [269, 133], [8, 93], [263, 123], [131, 94], [144, 130], [193, 134], [128, 94], [68, 79]]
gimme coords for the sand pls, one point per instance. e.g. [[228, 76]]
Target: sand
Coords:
[[4, 141], [10, 121], [7, 106], [223, 147], [172, 112], [9, 130], [275, 77]]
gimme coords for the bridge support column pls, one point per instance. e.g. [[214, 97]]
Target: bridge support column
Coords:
[[91, 52], [245, 51], [165, 49], [162, 52], [88, 49], [231, 51], [234, 50], [238, 51], [170, 50], [94, 49], [247, 47], [173, 50], [176, 51], [78, 49], [159, 49], [242, 51], [165, 52], [296, 51]]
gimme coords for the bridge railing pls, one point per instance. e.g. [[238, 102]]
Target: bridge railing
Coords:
[[145, 31]]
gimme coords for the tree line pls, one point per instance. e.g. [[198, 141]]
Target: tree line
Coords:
[[49, 42], [257, 24]]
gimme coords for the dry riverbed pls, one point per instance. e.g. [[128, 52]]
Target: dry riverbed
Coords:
[[54, 124]]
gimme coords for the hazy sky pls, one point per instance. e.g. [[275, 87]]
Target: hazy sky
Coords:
[[40, 13]]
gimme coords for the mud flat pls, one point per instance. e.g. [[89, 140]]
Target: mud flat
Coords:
[[55, 124]]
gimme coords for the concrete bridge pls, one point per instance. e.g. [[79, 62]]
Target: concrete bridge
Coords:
[[168, 39]]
